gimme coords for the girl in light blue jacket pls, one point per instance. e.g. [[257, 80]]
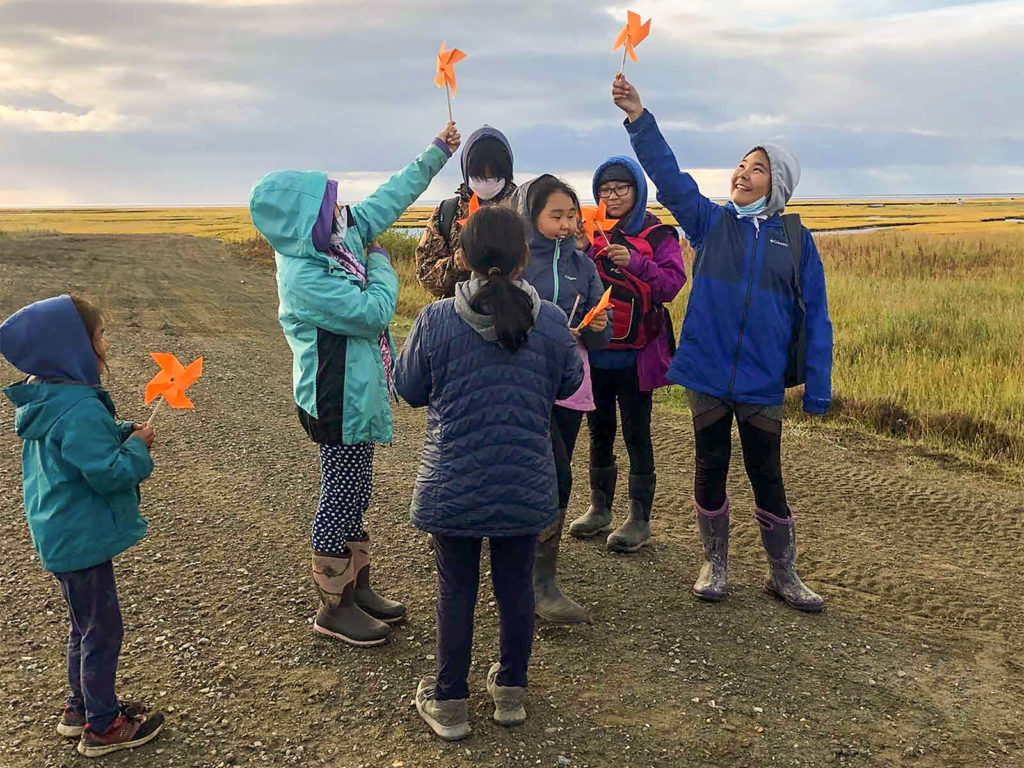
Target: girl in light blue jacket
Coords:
[[336, 303]]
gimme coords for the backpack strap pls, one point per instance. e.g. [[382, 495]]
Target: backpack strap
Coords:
[[446, 216], [795, 237]]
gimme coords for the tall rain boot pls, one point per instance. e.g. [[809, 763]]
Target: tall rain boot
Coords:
[[714, 535], [779, 540], [598, 517], [636, 531], [339, 617], [552, 605], [388, 611]]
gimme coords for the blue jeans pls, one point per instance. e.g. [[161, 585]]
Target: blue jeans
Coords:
[[94, 642], [458, 579]]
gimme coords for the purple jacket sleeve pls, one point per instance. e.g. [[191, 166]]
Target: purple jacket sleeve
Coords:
[[665, 272]]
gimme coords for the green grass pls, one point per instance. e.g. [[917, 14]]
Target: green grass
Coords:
[[929, 335]]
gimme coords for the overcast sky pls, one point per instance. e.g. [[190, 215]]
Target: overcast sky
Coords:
[[189, 102]]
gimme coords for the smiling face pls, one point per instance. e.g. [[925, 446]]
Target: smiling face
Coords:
[[752, 179], [558, 219], [618, 196]]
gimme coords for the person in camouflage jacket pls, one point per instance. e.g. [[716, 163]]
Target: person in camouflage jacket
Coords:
[[487, 172]]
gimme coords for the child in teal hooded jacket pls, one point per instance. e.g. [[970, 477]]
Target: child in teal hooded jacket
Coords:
[[81, 474], [336, 303]]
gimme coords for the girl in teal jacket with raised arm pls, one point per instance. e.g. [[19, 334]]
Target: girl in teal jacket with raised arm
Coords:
[[337, 293]]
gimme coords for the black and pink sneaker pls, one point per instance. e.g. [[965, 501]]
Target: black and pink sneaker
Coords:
[[71, 723], [132, 728]]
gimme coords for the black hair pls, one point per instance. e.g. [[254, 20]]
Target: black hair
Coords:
[[494, 244], [489, 154], [542, 189]]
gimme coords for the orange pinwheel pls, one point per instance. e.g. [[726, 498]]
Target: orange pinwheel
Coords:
[[172, 381], [601, 306], [595, 219], [631, 36], [446, 61], [474, 206]]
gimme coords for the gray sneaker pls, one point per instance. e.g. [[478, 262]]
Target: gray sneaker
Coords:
[[449, 719], [508, 699]]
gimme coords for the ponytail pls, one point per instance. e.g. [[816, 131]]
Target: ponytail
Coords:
[[510, 308], [494, 244]]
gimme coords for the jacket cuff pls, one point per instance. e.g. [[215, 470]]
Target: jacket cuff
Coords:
[[443, 146], [645, 120], [637, 261], [816, 405], [379, 249]]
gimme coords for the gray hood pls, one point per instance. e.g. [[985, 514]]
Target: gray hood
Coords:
[[785, 170], [483, 324]]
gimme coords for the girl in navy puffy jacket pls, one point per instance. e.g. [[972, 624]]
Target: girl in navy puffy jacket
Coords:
[[489, 365], [745, 309]]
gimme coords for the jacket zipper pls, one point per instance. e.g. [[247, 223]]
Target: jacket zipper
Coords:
[[743, 318], [554, 269]]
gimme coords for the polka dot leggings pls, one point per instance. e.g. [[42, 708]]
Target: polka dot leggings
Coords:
[[346, 479]]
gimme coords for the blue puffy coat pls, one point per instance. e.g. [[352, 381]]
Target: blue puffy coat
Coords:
[[487, 468], [739, 318]]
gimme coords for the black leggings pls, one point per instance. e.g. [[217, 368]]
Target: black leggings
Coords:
[[565, 428], [762, 457], [622, 387]]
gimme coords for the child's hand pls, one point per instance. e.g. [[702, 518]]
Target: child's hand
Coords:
[[600, 321], [617, 255], [450, 136], [575, 332], [146, 434], [626, 98]]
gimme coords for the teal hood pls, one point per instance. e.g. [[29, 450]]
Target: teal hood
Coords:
[[285, 206], [40, 405]]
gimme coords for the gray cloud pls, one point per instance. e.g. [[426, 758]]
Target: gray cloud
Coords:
[[189, 102]]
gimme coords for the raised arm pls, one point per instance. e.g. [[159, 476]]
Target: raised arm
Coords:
[[382, 208], [677, 190]]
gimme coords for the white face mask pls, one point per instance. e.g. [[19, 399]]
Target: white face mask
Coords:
[[486, 189]]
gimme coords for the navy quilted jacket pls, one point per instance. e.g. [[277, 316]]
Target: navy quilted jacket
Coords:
[[487, 469]]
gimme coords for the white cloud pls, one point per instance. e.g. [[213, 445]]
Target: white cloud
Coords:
[[96, 120]]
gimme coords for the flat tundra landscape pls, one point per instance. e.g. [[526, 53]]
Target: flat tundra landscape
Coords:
[[912, 533]]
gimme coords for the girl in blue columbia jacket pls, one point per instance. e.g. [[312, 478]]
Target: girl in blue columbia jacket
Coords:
[[743, 313], [564, 276], [81, 473], [336, 303], [488, 365]]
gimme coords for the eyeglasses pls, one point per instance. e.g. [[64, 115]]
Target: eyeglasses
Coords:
[[609, 192]]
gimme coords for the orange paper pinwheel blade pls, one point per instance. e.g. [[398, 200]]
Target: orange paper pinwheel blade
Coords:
[[474, 206], [621, 39], [173, 380], [176, 399], [602, 305]]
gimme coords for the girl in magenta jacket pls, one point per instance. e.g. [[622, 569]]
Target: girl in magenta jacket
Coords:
[[643, 264]]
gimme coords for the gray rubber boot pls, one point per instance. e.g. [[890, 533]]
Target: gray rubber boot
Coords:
[[714, 535], [552, 605], [636, 531], [449, 719], [598, 517], [388, 611], [509, 700], [339, 617], [779, 540]]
